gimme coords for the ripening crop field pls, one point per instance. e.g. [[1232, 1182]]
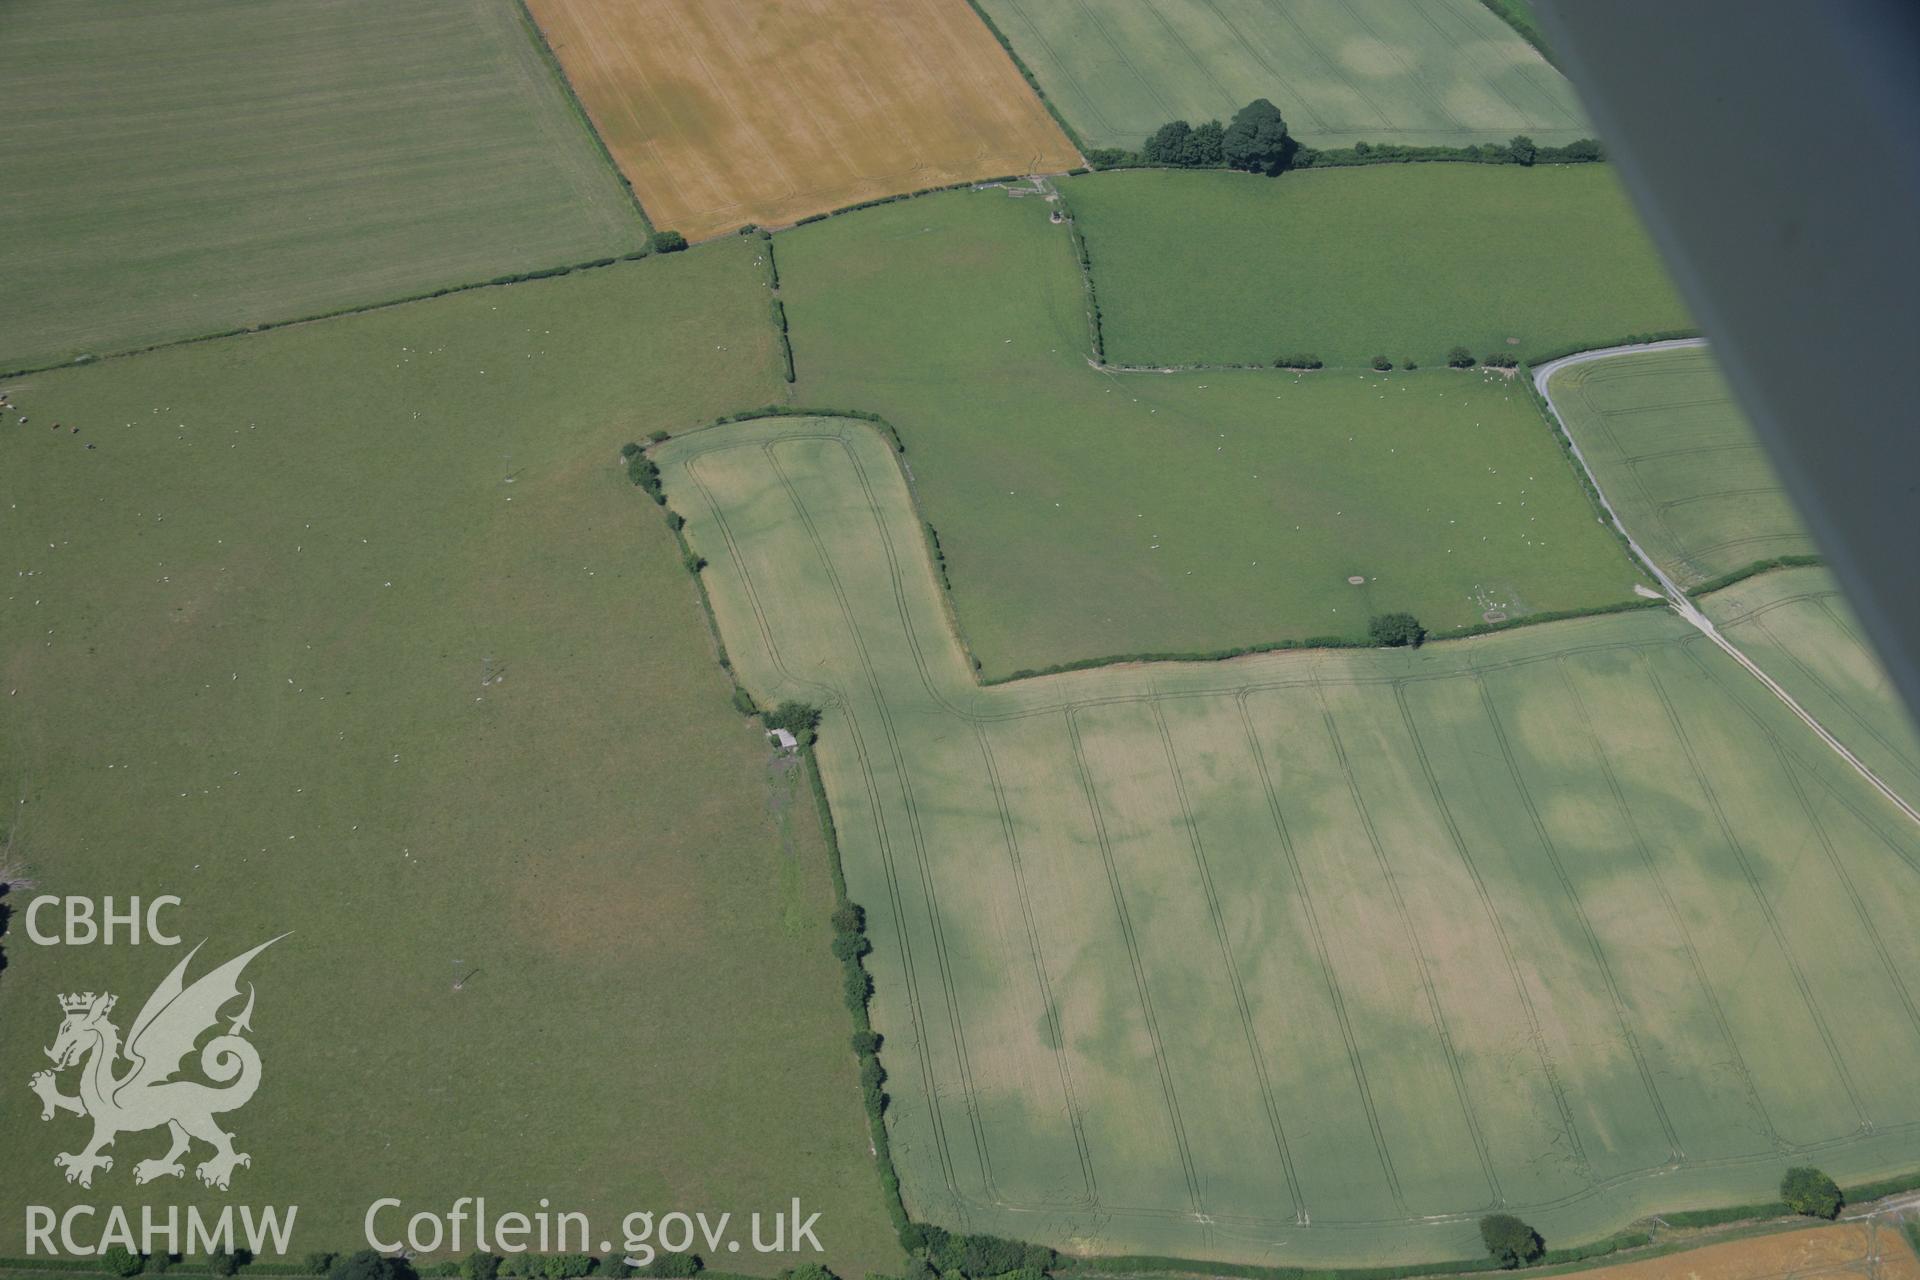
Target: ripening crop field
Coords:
[[358, 629], [183, 167], [1797, 625], [1405, 261], [1320, 956], [1341, 71], [737, 111], [1679, 461]]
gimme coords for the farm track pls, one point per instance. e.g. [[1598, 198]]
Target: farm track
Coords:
[[904, 670]]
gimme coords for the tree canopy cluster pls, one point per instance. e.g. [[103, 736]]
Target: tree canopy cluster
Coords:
[[1807, 1190], [1256, 140], [1396, 630], [1510, 1241]]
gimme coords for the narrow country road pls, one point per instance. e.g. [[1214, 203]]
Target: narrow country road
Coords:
[[1675, 596]]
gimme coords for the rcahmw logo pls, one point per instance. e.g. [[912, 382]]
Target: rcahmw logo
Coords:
[[131, 1086]]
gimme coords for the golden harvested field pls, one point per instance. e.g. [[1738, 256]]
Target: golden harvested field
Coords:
[[1870, 1249], [724, 112]]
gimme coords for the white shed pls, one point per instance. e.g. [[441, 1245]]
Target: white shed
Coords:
[[783, 740]]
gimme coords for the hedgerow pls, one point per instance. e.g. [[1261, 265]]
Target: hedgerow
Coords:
[[1085, 260], [1595, 498], [848, 918], [1520, 19], [559, 71], [780, 327], [1741, 574], [1551, 354], [265, 326], [642, 471], [1322, 642], [803, 411], [1033, 81], [1143, 1264], [1860, 1193], [1579, 151], [939, 556]]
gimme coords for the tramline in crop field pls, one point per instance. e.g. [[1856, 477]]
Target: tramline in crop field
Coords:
[[1679, 462], [1331, 952]]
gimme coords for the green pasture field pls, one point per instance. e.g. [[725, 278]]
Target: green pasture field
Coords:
[[1341, 71], [1086, 514], [1312, 958], [1679, 462], [1797, 625], [1405, 261], [182, 167], [358, 629]]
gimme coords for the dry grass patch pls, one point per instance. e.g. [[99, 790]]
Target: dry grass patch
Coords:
[[1843, 1249], [723, 112]]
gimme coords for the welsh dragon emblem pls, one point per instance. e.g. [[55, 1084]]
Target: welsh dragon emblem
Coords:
[[145, 1095]]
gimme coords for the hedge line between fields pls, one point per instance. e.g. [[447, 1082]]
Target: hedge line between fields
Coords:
[[518, 277], [1587, 483], [1085, 260], [1859, 1193], [805, 411], [855, 981], [1550, 354], [645, 474], [1033, 81], [580, 110], [1149, 1264], [1523, 25], [779, 307], [1584, 151], [1588, 486], [1726, 580], [1325, 642], [915, 194], [67, 1267]]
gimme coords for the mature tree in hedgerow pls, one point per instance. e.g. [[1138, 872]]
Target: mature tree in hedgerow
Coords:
[[808, 1271], [1396, 630], [1256, 139], [1167, 144], [1809, 1191], [1185, 146], [1521, 149], [1460, 358], [369, 1265], [666, 242], [1510, 1241], [1206, 146]]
